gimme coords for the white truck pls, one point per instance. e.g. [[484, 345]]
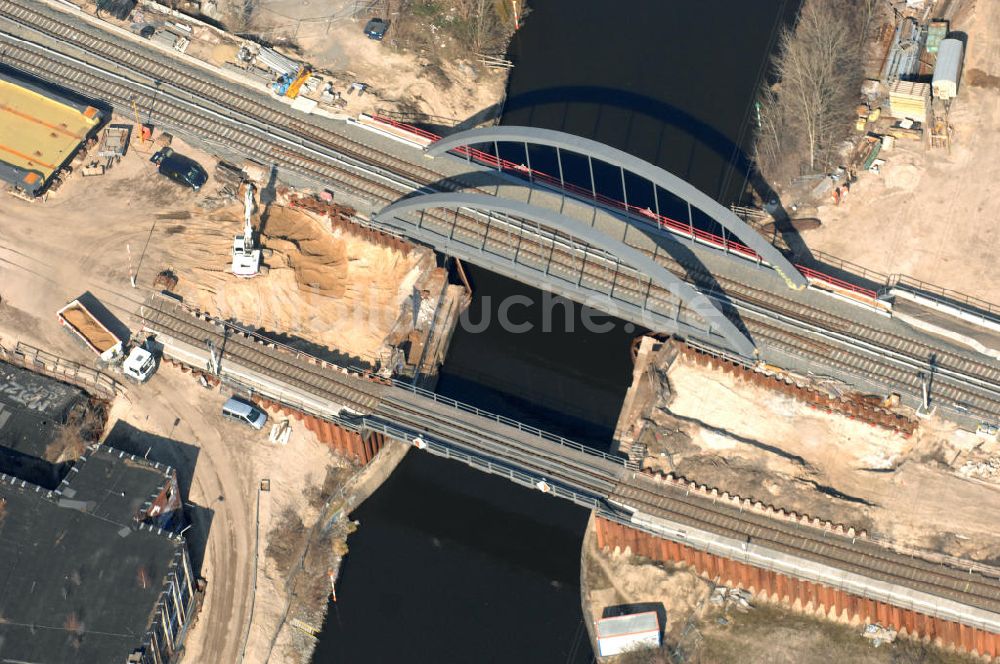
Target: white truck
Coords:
[[81, 321]]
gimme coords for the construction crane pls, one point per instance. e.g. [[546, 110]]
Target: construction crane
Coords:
[[246, 256]]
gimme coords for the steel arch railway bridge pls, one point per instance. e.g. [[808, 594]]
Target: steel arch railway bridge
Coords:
[[678, 307], [941, 599], [838, 327]]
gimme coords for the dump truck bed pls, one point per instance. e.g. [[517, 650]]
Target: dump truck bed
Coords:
[[87, 326]]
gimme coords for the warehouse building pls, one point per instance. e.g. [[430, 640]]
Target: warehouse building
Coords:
[[33, 409], [40, 132], [95, 571]]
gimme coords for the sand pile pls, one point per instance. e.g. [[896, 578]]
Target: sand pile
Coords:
[[614, 578], [330, 288], [97, 335], [318, 259]]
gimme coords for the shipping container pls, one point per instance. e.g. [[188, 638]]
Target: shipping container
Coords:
[[936, 32], [948, 69], [622, 633]]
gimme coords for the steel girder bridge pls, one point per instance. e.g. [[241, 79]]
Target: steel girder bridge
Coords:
[[596, 268]]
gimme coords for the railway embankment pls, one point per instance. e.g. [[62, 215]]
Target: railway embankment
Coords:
[[792, 448]]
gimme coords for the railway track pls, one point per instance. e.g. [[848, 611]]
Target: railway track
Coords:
[[967, 385], [45, 20], [852, 555], [802, 331], [234, 345], [591, 473], [565, 460]]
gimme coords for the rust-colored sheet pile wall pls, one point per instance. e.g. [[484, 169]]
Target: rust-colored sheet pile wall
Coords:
[[800, 595]]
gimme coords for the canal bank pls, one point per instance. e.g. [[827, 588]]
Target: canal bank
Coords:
[[461, 566]]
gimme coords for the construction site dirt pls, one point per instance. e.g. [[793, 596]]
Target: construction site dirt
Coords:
[[717, 428], [434, 80], [705, 626], [350, 295], [720, 429], [926, 213], [347, 294]]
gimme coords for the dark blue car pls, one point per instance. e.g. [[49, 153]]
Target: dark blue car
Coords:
[[375, 29], [182, 170]]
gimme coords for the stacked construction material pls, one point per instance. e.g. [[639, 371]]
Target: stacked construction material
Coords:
[[909, 100]]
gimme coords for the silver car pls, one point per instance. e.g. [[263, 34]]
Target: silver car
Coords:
[[241, 411]]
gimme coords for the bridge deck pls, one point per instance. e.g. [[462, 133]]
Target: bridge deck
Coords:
[[374, 170], [298, 375]]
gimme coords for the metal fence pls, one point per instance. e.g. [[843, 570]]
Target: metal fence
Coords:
[[49, 364], [944, 296]]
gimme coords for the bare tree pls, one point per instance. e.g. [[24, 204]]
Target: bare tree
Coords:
[[485, 31], [239, 14], [807, 113]]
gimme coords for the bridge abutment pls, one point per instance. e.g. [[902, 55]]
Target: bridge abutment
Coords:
[[361, 446]]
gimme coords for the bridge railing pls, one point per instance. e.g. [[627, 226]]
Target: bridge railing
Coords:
[[520, 426], [944, 296], [41, 361], [366, 423]]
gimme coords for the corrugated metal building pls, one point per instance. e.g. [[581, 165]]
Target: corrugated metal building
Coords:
[[948, 69]]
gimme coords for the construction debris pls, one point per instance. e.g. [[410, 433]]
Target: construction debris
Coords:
[[728, 598], [878, 634], [280, 432], [985, 470]]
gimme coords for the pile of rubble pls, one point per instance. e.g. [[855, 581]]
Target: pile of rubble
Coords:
[[731, 597], [878, 634], [988, 469]]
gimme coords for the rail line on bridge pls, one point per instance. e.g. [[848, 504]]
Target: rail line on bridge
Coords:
[[235, 119], [957, 591]]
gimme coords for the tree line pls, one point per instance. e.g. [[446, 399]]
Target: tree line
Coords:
[[806, 104]]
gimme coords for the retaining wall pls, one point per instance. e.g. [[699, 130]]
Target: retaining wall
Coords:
[[801, 595], [350, 443]]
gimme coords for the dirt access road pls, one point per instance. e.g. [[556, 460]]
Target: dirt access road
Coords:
[[932, 215], [81, 240], [217, 472]]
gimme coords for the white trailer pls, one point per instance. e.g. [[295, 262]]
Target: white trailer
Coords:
[[629, 632], [948, 69]]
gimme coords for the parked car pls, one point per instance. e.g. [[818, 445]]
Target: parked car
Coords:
[[375, 28], [244, 412], [182, 170]]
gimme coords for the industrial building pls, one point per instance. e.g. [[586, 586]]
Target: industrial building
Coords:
[[94, 571], [33, 408], [40, 132]]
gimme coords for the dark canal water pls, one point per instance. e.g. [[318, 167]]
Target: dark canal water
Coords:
[[451, 565]]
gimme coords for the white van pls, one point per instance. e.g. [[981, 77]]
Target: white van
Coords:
[[241, 411]]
